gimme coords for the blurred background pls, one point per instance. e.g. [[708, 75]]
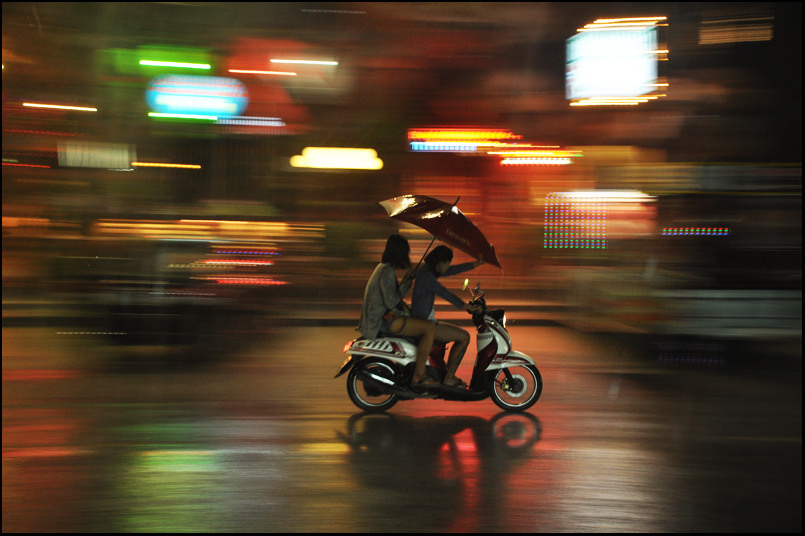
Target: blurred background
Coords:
[[162, 184]]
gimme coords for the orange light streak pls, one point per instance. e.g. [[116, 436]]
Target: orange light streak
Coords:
[[25, 165], [238, 262], [248, 281], [40, 132]]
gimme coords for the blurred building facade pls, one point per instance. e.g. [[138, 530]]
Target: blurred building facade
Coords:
[[722, 150]]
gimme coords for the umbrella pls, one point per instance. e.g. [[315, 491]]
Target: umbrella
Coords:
[[444, 221]]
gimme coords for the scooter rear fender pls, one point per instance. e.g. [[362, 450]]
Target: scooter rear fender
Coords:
[[347, 364], [397, 350], [392, 348]]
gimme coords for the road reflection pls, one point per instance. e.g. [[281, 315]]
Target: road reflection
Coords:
[[456, 466]]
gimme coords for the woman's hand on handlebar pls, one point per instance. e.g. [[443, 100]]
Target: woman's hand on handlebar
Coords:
[[473, 308]]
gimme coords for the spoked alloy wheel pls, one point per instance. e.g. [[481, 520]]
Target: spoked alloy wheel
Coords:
[[364, 392], [521, 391]]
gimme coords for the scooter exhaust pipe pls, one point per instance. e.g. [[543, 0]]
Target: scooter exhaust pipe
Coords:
[[384, 385]]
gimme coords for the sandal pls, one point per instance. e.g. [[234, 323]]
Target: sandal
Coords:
[[456, 383], [425, 382]]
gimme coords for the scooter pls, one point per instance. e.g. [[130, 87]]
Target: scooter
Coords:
[[380, 369]]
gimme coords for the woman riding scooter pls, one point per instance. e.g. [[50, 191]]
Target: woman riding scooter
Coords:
[[382, 311], [426, 287]]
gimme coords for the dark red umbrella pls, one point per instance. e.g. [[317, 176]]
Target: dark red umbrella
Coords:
[[444, 221]]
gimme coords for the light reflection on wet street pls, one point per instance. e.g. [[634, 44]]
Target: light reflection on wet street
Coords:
[[267, 440]]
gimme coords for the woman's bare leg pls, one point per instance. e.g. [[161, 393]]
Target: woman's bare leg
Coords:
[[461, 340], [416, 327]]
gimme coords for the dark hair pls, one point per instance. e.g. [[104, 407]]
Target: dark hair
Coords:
[[396, 252], [438, 255]]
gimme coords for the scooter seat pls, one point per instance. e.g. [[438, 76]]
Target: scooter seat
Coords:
[[412, 340]]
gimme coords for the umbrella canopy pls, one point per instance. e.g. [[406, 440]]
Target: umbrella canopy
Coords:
[[444, 221]]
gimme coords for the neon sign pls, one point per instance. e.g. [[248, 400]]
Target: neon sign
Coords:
[[337, 158], [614, 62], [196, 95]]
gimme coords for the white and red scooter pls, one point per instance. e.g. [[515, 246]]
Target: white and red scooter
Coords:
[[380, 369]]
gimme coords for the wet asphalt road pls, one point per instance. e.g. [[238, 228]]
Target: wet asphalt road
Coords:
[[263, 438]]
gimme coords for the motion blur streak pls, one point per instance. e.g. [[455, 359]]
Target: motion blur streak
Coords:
[[59, 107]]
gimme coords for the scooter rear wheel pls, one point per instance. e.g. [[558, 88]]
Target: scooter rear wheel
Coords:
[[518, 391], [366, 393]]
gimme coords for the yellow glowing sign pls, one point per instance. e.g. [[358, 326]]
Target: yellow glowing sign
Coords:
[[337, 158]]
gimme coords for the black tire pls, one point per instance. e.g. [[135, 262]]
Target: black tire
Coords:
[[365, 394], [520, 394]]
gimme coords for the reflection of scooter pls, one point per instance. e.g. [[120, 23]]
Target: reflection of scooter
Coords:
[[508, 431], [380, 369], [464, 462]]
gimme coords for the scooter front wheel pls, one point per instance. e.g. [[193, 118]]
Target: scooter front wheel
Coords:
[[364, 385], [517, 388]]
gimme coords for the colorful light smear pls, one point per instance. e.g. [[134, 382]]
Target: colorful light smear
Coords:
[[237, 262], [25, 165], [696, 231], [249, 71], [165, 165], [192, 117], [89, 154], [613, 62], [254, 231], [239, 250], [443, 147], [59, 107], [246, 281], [461, 135], [578, 219], [574, 222], [254, 125], [736, 30], [516, 155], [337, 158], [501, 143], [623, 23], [541, 161], [160, 57], [305, 62], [197, 95], [178, 64]]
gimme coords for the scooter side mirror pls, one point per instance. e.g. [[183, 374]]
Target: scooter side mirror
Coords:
[[476, 292]]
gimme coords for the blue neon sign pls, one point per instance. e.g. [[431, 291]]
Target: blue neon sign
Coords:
[[186, 94]]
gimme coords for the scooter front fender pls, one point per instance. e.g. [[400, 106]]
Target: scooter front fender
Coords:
[[512, 359]]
